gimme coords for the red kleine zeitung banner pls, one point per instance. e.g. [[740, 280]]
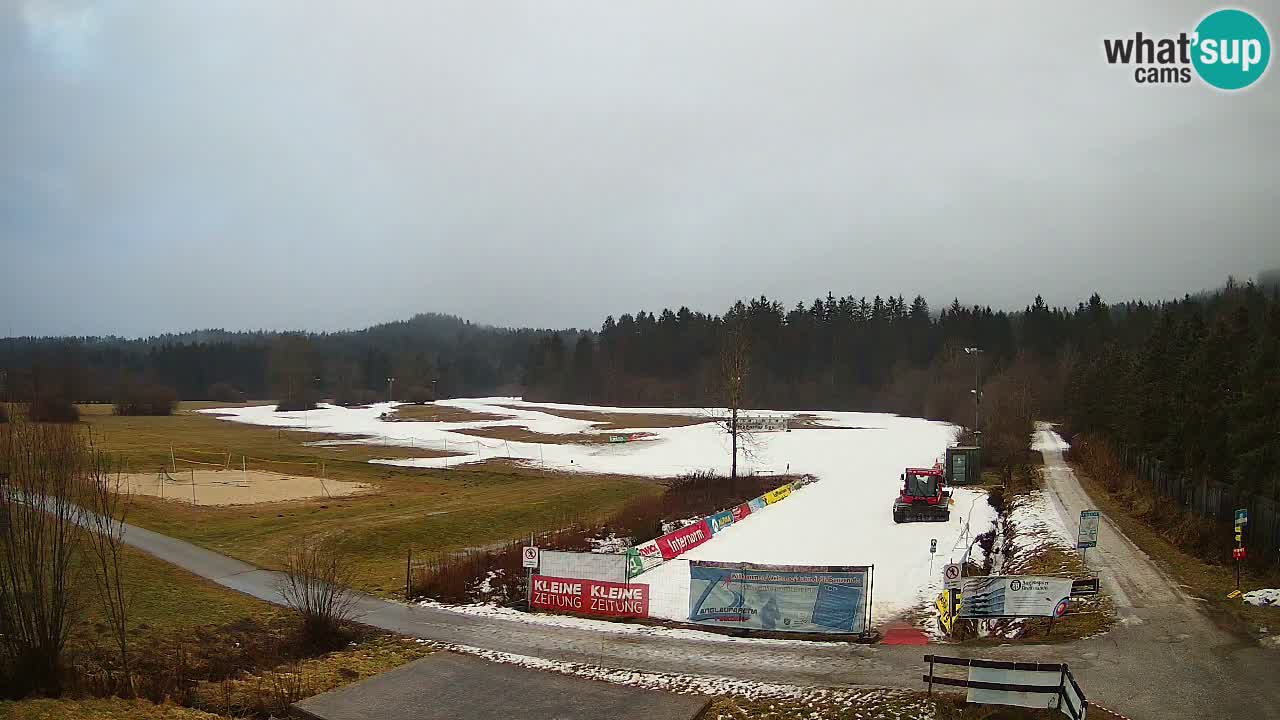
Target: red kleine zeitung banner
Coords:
[[590, 597]]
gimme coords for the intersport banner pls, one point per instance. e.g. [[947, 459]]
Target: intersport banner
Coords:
[[590, 597], [674, 544], [720, 521], [779, 598]]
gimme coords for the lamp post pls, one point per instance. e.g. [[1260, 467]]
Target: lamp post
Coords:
[[390, 382], [977, 392], [434, 396]]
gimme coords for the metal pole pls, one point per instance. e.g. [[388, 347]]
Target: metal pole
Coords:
[[408, 575], [528, 593], [931, 675]]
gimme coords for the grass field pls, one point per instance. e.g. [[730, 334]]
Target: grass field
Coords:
[[426, 510], [169, 599]]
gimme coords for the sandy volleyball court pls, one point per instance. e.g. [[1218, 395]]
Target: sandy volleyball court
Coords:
[[237, 487]]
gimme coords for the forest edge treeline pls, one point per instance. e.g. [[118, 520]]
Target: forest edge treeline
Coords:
[[1192, 382]]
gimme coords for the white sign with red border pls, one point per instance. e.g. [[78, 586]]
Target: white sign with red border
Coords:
[[951, 576], [529, 557]]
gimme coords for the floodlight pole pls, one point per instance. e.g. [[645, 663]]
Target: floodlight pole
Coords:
[[977, 392], [390, 381]]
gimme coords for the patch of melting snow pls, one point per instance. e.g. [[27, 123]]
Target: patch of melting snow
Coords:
[[837, 701], [612, 544], [1268, 597], [617, 628]]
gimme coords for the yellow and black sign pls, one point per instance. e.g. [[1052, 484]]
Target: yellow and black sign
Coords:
[[948, 605], [777, 494]]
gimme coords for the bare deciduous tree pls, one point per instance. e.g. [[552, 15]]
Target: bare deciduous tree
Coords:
[[107, 502], [41, 534], [729, 390], [317, 584]]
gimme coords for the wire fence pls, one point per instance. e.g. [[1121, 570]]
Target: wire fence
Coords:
[[1215, 501]]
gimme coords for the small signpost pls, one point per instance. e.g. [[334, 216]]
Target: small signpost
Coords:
[[1238, 553], [1084, 587], [529, 559], [1090, 521], [951, 576], [933, 548]]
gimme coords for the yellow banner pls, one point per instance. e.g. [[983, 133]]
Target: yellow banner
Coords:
[[943, 604], [777, 494]]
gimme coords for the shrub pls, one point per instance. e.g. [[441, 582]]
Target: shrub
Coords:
[[53, 409], [418, 395], [317, 584], [145, 399], [225, 392], [307, 402], [995, 498], [348, 397]]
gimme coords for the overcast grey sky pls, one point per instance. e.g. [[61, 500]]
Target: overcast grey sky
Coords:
[[171, 165]]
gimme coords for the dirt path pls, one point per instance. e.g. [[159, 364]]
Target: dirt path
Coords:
[[1126, 572], [1164, 653]]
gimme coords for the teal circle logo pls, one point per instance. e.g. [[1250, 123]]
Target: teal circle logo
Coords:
[[1232, 49]]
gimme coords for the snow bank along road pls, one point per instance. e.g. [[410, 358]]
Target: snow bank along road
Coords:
[[844, 519]]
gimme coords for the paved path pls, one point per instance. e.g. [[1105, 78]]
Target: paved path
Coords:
[[447, 686], [1164, 660]]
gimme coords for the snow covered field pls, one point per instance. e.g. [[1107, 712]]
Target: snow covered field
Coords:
[[844, 519]]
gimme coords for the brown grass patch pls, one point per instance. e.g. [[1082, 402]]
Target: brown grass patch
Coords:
[[440, 413], [809, 421], [621, 420], [521, 433]]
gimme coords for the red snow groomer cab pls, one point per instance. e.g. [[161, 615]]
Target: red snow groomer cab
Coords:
[[923, 497]]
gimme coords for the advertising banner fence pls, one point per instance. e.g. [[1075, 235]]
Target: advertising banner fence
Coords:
[[647, 555], [675, 544], [781, 598], [590, 597], [607, 567], [777, 494], [642, 557], [720, 521], [999, 596], [750, 423]]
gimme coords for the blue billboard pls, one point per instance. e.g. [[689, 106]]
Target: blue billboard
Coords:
[[780, 598], [720, 521]]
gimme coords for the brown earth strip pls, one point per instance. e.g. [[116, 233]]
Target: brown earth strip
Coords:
[[440, 413], [621, 420], [521, 433]]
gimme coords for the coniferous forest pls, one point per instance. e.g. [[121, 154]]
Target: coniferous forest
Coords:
[[1193, 382]]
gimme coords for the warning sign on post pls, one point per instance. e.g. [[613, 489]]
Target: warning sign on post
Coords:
[[951, 576], [529, 557]]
